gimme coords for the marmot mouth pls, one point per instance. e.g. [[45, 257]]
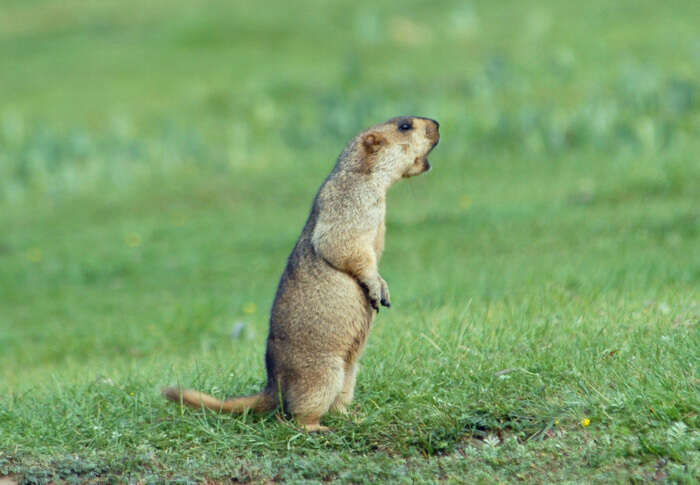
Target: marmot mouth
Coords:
[[425, 162], [431, 148]]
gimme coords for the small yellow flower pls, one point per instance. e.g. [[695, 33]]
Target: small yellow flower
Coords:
[[585, 422], [34, 255], [250, 308], [131, 394], [556, 422], [133, 240]]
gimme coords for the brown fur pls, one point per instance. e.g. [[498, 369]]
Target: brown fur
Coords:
[[331, 289]]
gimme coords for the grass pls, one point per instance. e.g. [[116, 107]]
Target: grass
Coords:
[[156, 166]]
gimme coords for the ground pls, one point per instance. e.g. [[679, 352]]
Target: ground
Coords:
[[157, 163]]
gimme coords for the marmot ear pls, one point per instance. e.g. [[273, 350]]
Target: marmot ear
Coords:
[[373, 142]]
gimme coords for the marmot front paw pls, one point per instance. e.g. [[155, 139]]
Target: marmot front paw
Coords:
[[384, 299], [374, 292]]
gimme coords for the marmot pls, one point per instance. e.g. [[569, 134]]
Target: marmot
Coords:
[[330, 291]]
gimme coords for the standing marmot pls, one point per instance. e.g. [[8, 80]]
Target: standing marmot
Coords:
[[331, 289]]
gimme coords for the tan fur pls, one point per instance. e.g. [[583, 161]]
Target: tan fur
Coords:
[[331, 289]]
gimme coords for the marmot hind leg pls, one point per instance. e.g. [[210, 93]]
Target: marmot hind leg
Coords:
[[311, 395], [344, 397]]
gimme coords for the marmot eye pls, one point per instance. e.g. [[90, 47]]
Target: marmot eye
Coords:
[[405, 126]]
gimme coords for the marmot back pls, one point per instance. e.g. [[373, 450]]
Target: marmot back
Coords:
[[331, 289]]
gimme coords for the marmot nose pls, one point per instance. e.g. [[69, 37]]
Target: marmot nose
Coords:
[[432, 130]]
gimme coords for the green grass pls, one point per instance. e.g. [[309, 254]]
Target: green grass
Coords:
[[157, 164]]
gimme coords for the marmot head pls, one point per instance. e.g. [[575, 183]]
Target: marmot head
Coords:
[[397, 148]]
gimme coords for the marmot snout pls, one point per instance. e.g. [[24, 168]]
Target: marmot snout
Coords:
[[331, 289]]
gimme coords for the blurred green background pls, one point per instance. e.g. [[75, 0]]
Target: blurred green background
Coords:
[[103, 93], [158, 160]]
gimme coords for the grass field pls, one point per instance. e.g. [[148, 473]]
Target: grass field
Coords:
[[158, 160]]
